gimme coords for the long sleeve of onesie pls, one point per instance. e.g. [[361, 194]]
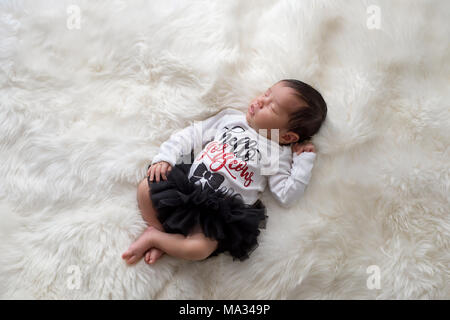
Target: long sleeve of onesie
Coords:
[[192, 137], [294, 173]]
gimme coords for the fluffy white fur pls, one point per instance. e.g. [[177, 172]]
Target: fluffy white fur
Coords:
[[82, 112]]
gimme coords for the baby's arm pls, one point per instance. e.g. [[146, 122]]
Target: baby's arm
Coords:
[[183, 141], [292, 177]]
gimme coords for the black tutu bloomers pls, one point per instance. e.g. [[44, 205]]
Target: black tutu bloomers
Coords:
[[181, 204]]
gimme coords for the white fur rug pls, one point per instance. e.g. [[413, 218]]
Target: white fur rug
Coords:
[[83, 111]]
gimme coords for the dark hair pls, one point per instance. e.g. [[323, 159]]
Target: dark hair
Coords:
[[307, 121]]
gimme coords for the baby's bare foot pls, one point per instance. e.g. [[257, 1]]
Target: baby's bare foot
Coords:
[[140, 246], [152, 255]]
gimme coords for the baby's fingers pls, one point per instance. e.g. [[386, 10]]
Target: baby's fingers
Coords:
[[164, 170], [168, 170], [158, 173], [299, 149], [152, 172]]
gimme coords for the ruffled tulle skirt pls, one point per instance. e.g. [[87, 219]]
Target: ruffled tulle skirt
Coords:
[[181, 205]]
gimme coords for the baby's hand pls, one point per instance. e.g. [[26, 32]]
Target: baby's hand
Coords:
[[305, 146], [159, 169]]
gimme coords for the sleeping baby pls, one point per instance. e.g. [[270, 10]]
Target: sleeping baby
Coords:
[[201, 194]]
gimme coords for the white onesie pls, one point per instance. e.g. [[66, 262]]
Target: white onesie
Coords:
[[237, 159]]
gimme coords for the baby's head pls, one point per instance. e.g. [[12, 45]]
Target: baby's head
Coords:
[[292, 106]]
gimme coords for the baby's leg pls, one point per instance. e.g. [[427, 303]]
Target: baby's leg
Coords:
[[195, 246], [146, 206], [149, 214], [196, 233]]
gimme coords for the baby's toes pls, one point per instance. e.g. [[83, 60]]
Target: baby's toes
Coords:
[[130, 256], [126, 255], [155, 254], [147, 256], [133, 259]]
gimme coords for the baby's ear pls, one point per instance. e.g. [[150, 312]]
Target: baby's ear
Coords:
[[295, 137]]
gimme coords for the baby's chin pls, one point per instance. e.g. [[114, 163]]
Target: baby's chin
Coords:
[[249, 119]]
